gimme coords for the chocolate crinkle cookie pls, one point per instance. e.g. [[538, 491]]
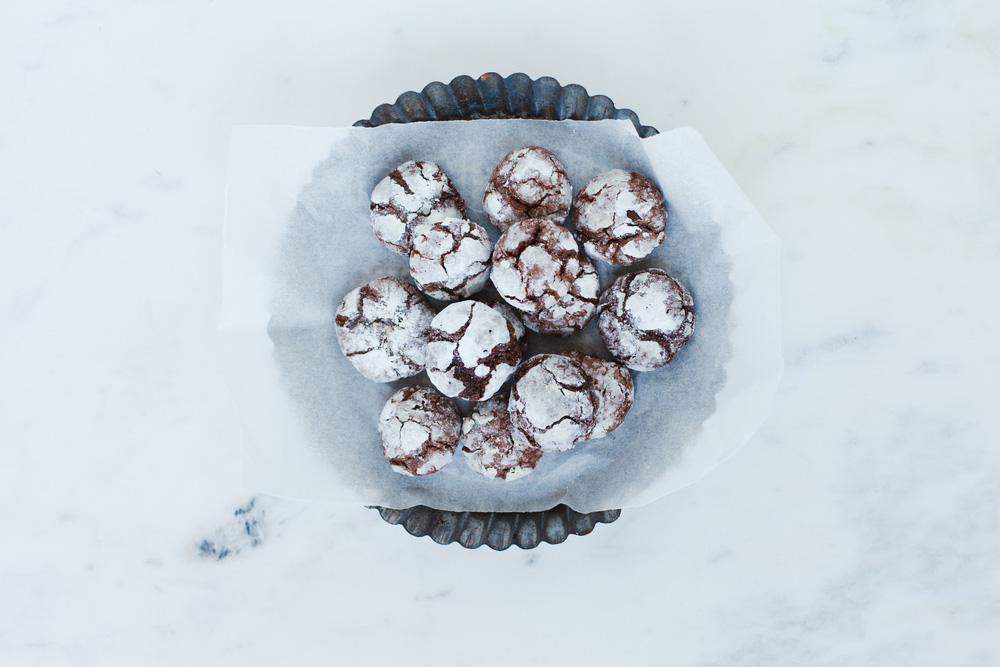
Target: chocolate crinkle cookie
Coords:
[[450, 259], [620, 217], [420, 430], [489, 447], [413, 193], [614, 388], [382, 329], [529, 182], [471, 350], [553, 403], [644, 318], [539, 270]]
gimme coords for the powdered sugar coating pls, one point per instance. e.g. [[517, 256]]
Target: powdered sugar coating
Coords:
[[490, 449], [529, 182], [414, 192], [615, 390], [382, 329], [539, 270], [553, 403], [644, 318], [620, 217], [420, 430], [471, 350], [513, 318], [450, 259]]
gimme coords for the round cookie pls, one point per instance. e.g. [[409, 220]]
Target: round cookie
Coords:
[[414, 192], [420, 430], [529, 182], [615, 390], [539, 270], [450, 259], [471, 350], [382, 329], [553, 403], [489, 448], [644, 318], [620, 217]]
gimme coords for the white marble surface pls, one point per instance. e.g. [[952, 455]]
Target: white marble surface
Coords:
[[860, 527]]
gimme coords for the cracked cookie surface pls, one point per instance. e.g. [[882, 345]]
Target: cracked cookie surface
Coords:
[[420, 430], [414, 192], [644, 318], [489, 447], [553, 403], [471, 350], [620, 217], [511, 316], [382, 329], [615, 390], [529, 182], [450, 259], [539, 270]]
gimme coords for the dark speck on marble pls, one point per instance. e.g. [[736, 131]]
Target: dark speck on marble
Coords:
[[244, 531]]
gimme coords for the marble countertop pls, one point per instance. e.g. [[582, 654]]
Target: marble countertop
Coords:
[[861, 526]]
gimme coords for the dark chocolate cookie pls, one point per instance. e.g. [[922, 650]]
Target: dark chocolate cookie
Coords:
[[553, 403], [420, 430], [471, 350], [382, 329], [644, 318], [539, 270], [413, 192], [620, 217], [489, 447], [450, 260], [529, 182]]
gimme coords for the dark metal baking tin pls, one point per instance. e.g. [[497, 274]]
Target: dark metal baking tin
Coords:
[[494, 96]]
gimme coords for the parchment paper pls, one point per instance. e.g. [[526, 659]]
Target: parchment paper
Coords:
[[298, 238]]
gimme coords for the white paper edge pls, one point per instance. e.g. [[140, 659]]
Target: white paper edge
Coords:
[[755, 366]]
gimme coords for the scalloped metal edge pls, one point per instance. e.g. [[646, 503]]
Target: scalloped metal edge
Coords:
[[497, 530], [494, 96]]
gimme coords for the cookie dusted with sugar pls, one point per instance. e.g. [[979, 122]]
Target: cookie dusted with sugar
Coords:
[[471, 350], [489, 447], [620, 217], [529, 182], [382, 329], [644, 318], [539, 270], [420, 430], [450, 260], [414, 192], [553, 403], [615, 390]]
